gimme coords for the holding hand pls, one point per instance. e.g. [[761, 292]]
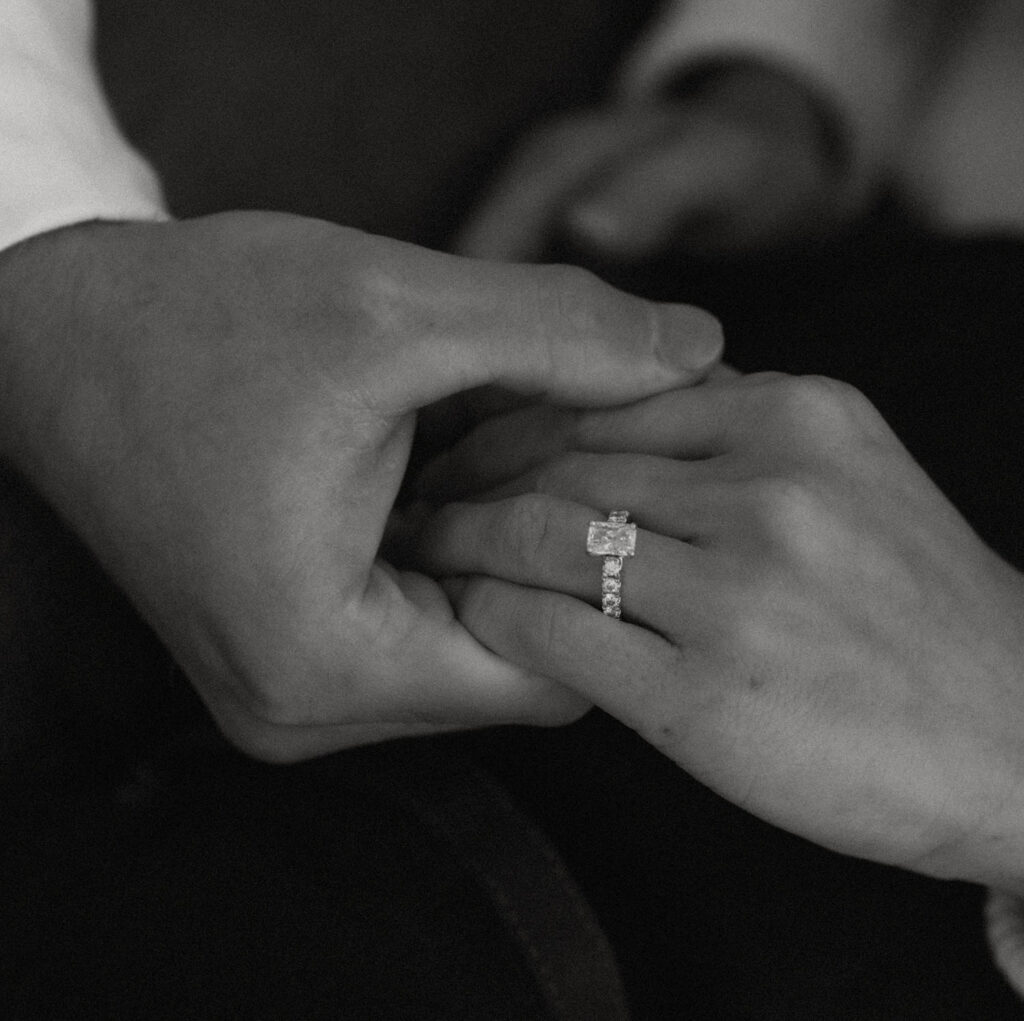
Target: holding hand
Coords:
[[736, 159], [809, 626], [223, 410]]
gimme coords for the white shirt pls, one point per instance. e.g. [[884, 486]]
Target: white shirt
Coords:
[[62, 158]]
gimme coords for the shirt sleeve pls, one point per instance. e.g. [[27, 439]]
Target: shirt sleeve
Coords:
[[63, 160], [866, 58]]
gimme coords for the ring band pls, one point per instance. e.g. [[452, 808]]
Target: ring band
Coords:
[[612, 539]]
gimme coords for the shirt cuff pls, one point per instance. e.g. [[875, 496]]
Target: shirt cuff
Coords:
[[63, 160], [863, 58]]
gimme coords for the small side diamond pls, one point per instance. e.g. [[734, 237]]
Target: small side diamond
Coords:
[[611, 585], [610, 602], [612, 567]]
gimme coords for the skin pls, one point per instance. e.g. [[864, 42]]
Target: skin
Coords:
[[809, 627], [736, 163], [223, 409]]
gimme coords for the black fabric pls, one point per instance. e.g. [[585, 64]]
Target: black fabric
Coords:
[[149, 872], [394, 882], [381, 114]]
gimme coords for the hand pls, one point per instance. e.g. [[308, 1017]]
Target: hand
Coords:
[[738, 160], [223, 409], [810, 627]]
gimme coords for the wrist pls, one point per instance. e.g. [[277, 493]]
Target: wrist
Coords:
[[50, 298], [30, 316]]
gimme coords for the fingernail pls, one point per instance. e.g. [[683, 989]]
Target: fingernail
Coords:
[[691, 338]]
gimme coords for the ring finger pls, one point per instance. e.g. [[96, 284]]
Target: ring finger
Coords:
[[541, 542]]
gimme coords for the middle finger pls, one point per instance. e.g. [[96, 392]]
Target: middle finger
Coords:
[[681, 499]]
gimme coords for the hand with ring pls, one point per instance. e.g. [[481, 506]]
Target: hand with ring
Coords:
[[223, 409], [808, 626]]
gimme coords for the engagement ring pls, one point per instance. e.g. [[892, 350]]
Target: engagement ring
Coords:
[[612, 539]]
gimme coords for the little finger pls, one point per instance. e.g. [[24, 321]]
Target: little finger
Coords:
[[626, 670]]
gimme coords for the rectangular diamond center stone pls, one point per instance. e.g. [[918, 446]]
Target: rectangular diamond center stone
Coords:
[[605, 539]]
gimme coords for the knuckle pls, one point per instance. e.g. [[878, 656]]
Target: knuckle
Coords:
[[558, 628], [528, 533], [577, 287], [817, 406], [739, 626], [369, 302], [280, 702], [574, 302], [800, 398], [767, 378], [833, 392], [785, 512]]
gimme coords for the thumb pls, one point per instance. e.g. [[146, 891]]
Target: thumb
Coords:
[[555, 332]]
